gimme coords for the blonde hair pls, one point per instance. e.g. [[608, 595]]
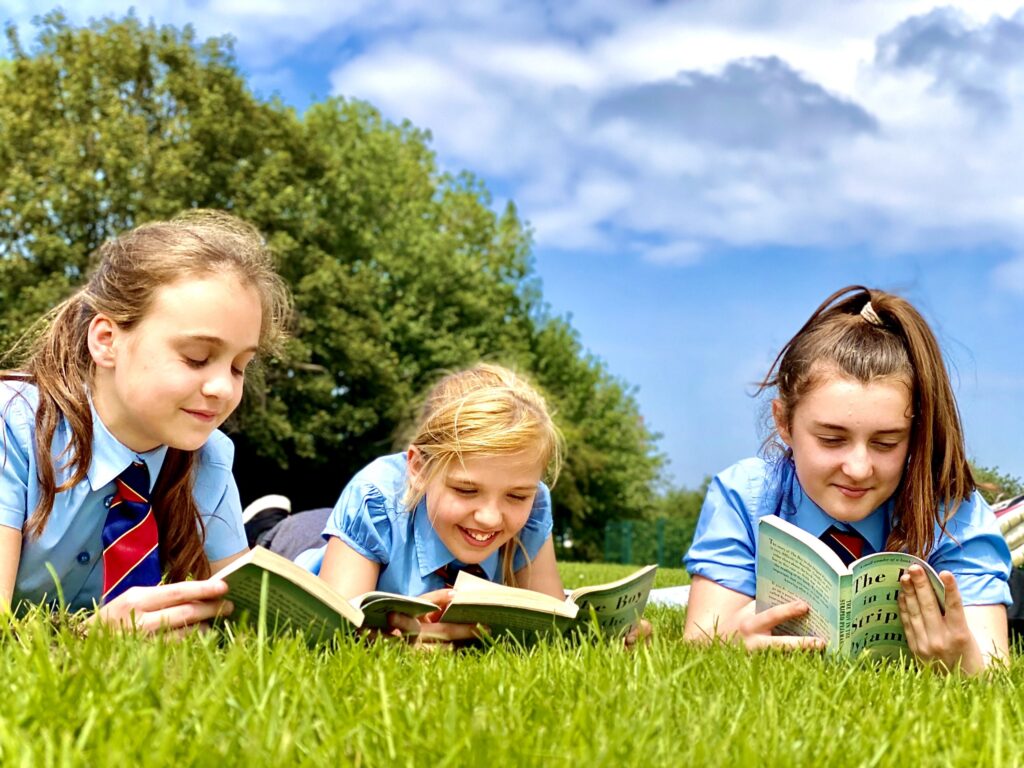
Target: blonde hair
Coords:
[[486, 410], [128, 272]]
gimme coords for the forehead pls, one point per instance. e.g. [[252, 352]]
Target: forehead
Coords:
[[215, 306], [525, 468], [836, 400]]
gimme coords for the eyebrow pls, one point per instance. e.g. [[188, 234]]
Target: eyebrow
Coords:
[[213, 341], [840, 428], [466, 481]]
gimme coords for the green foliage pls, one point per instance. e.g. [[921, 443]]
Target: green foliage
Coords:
[[399, 271], [106, 700], [995, 485]]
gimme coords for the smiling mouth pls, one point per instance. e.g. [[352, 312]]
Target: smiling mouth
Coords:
[[479, 538], [201, 415], [846, 490]]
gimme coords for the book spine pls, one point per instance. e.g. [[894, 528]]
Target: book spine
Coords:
[[845, 613]]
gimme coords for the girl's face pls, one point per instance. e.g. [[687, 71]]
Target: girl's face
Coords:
[[849, 442], [178, 374], [480, 503]]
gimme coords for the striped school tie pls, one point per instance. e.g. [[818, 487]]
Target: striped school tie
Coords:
[[450, 572], [848, 544], [131, 556]]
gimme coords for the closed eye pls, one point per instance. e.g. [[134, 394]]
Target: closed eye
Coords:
[[885, 446], [192, 362], [830, 440], [463, 491]]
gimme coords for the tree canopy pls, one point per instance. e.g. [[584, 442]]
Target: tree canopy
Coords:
[[400, 271]]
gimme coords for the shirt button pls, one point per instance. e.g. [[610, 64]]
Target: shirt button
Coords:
[[83, 557], [107, 500]]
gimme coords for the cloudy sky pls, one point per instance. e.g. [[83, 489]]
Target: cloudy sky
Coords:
[[700, 175]]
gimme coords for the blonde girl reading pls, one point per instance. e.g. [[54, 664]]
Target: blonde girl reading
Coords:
[[468, 493]]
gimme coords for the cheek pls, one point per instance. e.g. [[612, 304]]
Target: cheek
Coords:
[[516, 517]]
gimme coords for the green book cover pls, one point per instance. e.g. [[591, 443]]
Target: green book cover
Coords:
[[853, 608]]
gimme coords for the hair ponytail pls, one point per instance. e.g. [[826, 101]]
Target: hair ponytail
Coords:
[[866, 335]]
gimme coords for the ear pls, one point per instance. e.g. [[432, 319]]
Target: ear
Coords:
[[781, 419], [102, 335], [414, 458]]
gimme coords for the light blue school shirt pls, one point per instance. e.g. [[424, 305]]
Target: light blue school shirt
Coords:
[[72, 542], [724, 547], [370, 518]]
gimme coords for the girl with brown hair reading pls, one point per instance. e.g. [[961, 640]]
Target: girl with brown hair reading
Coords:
[[871, 457], [113, 475]]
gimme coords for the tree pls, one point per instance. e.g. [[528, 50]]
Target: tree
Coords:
[[399, 271], [996, 486]]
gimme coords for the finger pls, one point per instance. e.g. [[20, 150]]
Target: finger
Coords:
[[911, 609], [913, 642], [444, 632], [787, 643], [404, 625], [956, 617], [184, 615], [763, 623], [146, 599], [925, 593], [641, 632]]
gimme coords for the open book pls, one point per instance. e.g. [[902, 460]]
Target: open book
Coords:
[[298, 600], [612, 608], [854, 608]]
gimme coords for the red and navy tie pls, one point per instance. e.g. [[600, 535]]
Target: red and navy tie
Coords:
[[848, 544], [131, 556]]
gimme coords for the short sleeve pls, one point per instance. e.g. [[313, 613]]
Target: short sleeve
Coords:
[[975, 552], [15, 464], [537, 529], [724, 544], [216, 495], [361, 519]]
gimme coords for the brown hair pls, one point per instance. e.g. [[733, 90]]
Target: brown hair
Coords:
[[867, 334], [55, 357], [486, 410]]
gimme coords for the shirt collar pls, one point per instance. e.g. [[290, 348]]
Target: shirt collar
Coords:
[[110, 457], [813, 519], [431, 551]]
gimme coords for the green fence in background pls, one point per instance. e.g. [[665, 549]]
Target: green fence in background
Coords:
[[642, 542]]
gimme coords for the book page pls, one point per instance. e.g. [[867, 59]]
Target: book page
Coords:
[[522, 623], [288, 605], [377, 605], [876, 625], [522, 613], [789, 569], [617, 607]]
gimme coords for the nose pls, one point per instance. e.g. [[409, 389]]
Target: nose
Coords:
[[487, 514], [857, 463], [219, 386]]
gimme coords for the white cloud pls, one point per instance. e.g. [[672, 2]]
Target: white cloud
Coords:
[[1009, 276], [702, 124]]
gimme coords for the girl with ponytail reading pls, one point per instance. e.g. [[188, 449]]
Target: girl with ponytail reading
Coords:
[[870, 456]]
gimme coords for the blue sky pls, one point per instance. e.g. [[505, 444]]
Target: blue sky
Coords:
[[700, 175]]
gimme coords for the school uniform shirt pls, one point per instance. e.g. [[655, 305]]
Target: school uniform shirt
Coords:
[[370, 518], [72, 542], [724, 547]]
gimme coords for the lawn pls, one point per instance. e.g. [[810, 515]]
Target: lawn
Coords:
[[104, 700]]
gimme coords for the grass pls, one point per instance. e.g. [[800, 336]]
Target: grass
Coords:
[[106, 700]]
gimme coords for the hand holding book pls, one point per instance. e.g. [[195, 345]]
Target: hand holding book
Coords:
[[935, 636]]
